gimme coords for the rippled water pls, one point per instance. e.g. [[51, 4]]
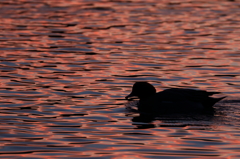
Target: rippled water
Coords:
[[66, 66]]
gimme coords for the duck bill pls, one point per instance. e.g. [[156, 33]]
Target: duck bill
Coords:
[[128, 96]]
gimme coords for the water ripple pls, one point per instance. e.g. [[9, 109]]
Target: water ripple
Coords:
[[66, 67]]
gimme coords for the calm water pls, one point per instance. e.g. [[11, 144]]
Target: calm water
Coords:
[[66, 66]]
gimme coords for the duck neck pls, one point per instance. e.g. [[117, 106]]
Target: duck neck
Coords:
[[146, 96]]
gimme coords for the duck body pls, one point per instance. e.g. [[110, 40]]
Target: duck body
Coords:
[[173, 100]]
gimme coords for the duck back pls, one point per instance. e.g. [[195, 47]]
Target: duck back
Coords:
[[179, 101]]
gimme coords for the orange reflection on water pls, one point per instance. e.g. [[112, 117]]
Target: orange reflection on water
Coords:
[[66, 67]]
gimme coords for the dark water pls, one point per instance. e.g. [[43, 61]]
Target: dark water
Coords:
[[66, 66]]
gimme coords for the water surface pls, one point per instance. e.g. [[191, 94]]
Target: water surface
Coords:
[[66, 67]]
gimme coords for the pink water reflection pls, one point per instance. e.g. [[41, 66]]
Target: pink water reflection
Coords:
[[66, 67]]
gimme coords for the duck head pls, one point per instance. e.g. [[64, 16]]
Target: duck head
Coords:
[[142, 90]]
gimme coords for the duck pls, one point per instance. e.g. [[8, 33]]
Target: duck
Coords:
[[172, 100]]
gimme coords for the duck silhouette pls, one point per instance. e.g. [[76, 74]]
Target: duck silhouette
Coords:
[[173, 100]]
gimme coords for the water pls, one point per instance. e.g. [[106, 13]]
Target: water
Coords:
[[66, 67]]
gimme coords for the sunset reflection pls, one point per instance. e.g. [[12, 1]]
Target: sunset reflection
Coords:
[[67, 65]]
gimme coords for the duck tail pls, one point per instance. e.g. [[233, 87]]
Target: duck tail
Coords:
[[212, 93], [212, 101], [209, 104]]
